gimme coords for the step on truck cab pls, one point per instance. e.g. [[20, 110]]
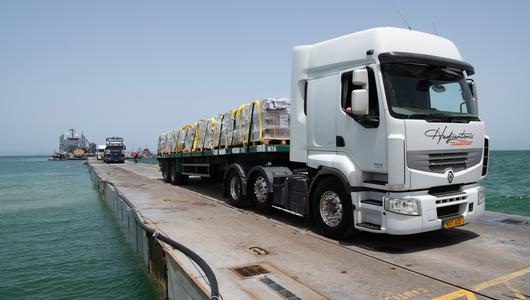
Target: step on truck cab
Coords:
[[385, 137]]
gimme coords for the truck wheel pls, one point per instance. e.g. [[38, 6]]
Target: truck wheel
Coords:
[[258, 191], [179, 179], [173, 173], [332, 208], [165, 171], [234, 188]]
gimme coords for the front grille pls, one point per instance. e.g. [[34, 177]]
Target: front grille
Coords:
[[446, 211], [440, 161]]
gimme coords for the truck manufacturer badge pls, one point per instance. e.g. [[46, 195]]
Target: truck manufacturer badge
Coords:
[[450, 176], [451, 138]]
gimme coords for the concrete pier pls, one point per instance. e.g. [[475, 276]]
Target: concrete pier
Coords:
[[279, 256]]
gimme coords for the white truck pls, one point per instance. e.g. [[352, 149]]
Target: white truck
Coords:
[[100, 152], [385, 137]]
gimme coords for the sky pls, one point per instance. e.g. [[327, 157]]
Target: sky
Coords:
[[138, 68]]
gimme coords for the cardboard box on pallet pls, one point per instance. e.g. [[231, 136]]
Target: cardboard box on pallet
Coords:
[[270, 120]]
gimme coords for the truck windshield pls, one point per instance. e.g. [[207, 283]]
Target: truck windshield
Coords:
[[114, 148], [430, 93]]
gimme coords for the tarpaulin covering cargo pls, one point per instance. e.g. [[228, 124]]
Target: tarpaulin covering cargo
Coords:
[[161, 140], [189, 141], [209, 134], [270, 120], [216, 138], [182, 137], [198, 144], [227, 129], [242, 125], [172, 140], [260, 121]]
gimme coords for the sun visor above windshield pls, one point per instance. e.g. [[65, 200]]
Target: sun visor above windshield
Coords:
[[407, 58]]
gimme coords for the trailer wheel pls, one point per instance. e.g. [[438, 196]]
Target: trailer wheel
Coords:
[[173, 173], [332, 208], [234, 188], [165, 171], [258, 191]]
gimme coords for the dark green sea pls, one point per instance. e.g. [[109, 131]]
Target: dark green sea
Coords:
[[508, 182], [59, 240]]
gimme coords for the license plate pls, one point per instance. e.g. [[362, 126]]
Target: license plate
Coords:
[[458, 221]]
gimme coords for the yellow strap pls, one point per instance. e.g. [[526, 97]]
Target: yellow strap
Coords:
[[238, 115], [195, 137]]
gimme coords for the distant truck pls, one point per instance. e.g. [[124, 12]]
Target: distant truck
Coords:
[[100, 152], [114, 150], [385, 137]]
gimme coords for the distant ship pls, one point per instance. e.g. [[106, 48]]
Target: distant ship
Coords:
[[72, 145]]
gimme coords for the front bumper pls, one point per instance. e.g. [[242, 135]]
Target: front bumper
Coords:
[[433, 210]]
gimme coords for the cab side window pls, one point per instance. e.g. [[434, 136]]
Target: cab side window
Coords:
[[372, 119]]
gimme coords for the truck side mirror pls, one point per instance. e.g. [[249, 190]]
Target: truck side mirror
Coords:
[[359, 96], [359, 102], [472, 88], [360, 77]]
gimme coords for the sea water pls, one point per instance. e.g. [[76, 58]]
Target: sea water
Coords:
[[59, 240]]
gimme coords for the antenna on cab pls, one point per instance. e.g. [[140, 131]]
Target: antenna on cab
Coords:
[[401, 15]]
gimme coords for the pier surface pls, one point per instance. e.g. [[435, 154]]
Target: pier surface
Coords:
[[489, 259]]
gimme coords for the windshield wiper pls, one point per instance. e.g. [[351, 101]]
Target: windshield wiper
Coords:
[[431, 117], [443, 118]]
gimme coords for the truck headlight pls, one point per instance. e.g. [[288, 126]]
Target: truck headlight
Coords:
[[481, 195], [405, 206]]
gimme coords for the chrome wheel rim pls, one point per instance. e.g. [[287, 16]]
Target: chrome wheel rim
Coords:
[[260, 189], [235, 188], [330, 208]]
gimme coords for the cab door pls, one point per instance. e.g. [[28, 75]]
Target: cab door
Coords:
[[362, 138]]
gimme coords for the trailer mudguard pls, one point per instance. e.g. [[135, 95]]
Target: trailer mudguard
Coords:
[[269, 173]]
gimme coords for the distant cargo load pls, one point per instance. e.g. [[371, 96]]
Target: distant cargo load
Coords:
[[258, 122]]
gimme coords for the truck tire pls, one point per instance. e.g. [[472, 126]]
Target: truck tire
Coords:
[[173, 173], [332, 208], [165, 171], [234, 188], [258, 192], [177, 178]]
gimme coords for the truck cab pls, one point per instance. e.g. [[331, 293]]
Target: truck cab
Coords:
[[387, 122], [114, 150], [100, 152]]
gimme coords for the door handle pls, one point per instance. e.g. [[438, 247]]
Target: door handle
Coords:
[[340, 141]]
